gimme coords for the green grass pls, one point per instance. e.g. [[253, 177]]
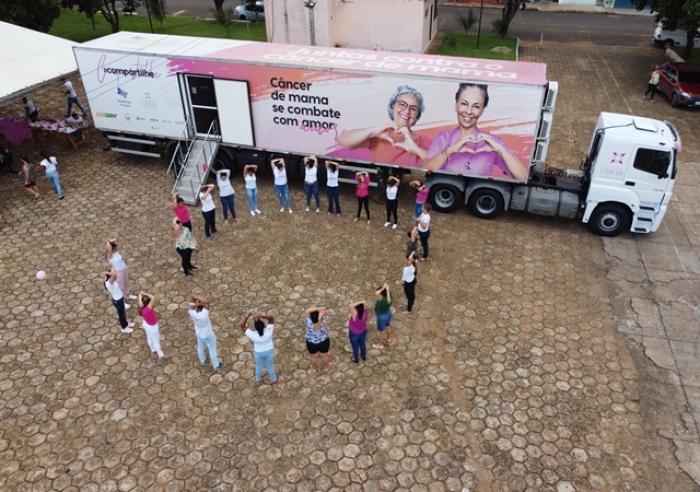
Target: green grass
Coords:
[[694, 57], [77, 27], [465, 45]]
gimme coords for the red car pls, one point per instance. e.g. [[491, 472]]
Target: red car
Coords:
[[681, 83]]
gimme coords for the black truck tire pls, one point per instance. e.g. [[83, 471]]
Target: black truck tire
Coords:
[[486, 203], [609, 219]]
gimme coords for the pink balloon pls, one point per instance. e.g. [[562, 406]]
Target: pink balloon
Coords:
[[41, 275]]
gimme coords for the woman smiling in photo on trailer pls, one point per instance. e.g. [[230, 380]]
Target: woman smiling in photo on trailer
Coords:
[[469, 150], [396, 142]]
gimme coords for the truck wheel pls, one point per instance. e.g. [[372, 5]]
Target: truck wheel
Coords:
[[445, 198], [224, 160], [674, 100], [486, 203], [609, 220]]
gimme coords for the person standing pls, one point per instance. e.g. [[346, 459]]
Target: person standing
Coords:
[[263, 348], [317, 338], [362, 193], [251, 188], [382, 310], [28, 176], [412, 243], [112, 287], [279, 171], [50, 165], [357, 331], [311, 181], [422, 193], [185, 245], [392, 203], [115, 259], [424, 230], [223, 179], [71, 97], [30, 111], [199, 312], [150, 323], [181, 211], [333, 187], [409, 278], [208, 210], [653, 82]]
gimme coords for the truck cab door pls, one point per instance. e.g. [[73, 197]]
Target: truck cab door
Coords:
[[650, 174], [667, 80]]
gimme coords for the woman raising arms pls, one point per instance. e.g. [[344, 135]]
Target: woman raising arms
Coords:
[[317, 339]]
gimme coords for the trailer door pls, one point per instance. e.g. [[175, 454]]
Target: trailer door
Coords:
[[201, 104]]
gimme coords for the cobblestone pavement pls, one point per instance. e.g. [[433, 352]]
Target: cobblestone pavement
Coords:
[[511, 374]]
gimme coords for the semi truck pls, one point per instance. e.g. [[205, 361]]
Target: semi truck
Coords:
[[478, 129]]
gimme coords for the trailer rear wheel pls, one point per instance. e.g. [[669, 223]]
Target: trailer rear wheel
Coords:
[[609, 220], [486, 203], [445, 198]]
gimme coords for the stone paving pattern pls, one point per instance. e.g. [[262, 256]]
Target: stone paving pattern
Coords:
[[511, 375]]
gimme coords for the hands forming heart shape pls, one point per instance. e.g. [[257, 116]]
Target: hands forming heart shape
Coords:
[[393, 135], [475, 145]]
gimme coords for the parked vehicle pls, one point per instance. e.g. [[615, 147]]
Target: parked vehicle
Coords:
[[479, 129], [681, 83], [253, 12], [668, 38]]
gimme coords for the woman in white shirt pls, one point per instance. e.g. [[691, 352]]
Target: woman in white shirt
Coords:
[[332, 187], [223, 179], [392, 203], [117, 262], [409, 279], [251, 188], [279, 171], [424, 229], [311, 181], [208, 210], [49, 163], [115, 292], [264, 349]]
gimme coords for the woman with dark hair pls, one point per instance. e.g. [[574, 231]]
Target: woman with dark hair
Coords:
[[409, 278], [422, 194], [392, 203], [264, 349], [226, 194], [185, 244], [251, 188], [424, 230], [357, 331], [382, 310], [362, 193], [412, 243], [28, 176], [317, 339], [279, 171], [395, 142], [115, 259], [181, 211], [311, 181], [149, 323], [50, 165], [468, 150], [208, 210], [111, 286], [332, 187]]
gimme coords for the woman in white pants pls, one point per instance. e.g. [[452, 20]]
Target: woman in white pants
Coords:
[[150, 323]]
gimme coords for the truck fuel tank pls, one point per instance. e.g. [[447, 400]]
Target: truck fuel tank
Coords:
[[545, 201]]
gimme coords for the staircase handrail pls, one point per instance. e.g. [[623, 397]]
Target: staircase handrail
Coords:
[[213, 130]]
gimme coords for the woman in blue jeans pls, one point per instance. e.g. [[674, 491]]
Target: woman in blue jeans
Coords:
[[251, 188], [357, 331], [264, 350], [382, 310], [311, 181], [332, 187]]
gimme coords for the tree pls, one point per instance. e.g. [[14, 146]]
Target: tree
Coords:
[[510, 8], [107, 8], [676, 14], [36, 14], [219, 5], [467, 21], [156, 9]]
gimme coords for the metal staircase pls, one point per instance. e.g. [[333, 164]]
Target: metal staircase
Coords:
[[192, 161]]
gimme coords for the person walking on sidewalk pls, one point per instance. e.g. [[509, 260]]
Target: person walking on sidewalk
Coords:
[[311, 181], [223, 179], [332, 187], [382, 310], [150, 323], [392, 203], [424, 230], [357, 331], [362, 193], [208, 210], [185, 245], [263, 348], [409, 278], [653, 82], [181, 211], [50, 165], [115, 259], [251, 188], [71, 97], [279, 171], [112, 287], [199, 312]]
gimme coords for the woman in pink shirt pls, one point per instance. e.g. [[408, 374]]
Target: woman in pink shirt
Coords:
[[180, 209], [357, 331], [362, 194], [150, 323]]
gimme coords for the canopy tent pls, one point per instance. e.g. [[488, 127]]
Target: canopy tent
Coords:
[[29, 59]]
